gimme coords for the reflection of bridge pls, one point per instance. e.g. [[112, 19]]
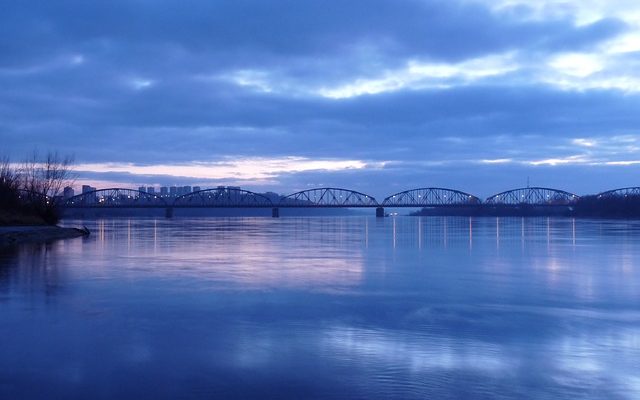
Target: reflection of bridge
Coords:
[[318, 198]]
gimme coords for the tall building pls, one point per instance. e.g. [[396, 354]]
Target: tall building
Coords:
[[164, 191], [142, 189], [151, 190], [87, 189], [173, 191], [196, 188], [186, 189], [68, 192]]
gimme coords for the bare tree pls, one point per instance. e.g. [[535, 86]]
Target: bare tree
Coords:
[[9, 184], [43, 180], [8, 174], [46, 176]]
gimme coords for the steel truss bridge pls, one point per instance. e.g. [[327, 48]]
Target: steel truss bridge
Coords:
[[533, 196], [328, 197], [620, 193]]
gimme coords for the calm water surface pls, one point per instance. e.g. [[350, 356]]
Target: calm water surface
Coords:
[[350, 307]]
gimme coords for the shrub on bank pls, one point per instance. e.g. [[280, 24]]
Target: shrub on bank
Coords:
[[28, 191]]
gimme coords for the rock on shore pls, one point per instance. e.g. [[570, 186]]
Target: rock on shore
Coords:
[[24, 234]]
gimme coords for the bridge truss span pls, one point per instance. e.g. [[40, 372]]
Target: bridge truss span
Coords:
[[115, 198], [534, 196], [431, 197], [328, 197], [620, 193], [223, 198]]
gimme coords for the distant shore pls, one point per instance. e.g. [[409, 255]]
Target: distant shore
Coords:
[[10, 235]]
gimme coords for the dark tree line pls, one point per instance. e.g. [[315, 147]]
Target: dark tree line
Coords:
[[29, 190], [592, 206], [608, 206]]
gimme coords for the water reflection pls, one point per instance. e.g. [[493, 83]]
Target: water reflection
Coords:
[[257, 252], [30, 271], [428, 307]]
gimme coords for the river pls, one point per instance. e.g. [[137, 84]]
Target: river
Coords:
[[325, 307]]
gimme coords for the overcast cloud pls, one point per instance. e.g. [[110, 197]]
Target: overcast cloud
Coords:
[[375, 95]]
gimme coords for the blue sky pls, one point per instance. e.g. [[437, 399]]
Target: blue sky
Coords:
[[374, 95]]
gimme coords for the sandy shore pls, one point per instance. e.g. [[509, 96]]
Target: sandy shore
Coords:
[[24, 234]]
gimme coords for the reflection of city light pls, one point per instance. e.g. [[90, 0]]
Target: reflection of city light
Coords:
[[522, 233], [445, 233], [470, 234], [394, 233], [238, 257]]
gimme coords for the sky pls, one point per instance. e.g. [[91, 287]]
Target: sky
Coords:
[[377, 96]]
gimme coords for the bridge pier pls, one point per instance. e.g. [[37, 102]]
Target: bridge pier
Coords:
[[168, 212], [275, 212], [380, 212]]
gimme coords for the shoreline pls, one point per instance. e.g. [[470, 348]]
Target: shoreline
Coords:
[[11, 235]]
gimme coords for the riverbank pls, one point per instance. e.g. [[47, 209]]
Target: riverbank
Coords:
[[17, 218], [41, 233]]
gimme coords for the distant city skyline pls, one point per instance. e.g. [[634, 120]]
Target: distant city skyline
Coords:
[[377, 96]]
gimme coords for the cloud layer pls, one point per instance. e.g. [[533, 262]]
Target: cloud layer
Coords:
[[281, 95]]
